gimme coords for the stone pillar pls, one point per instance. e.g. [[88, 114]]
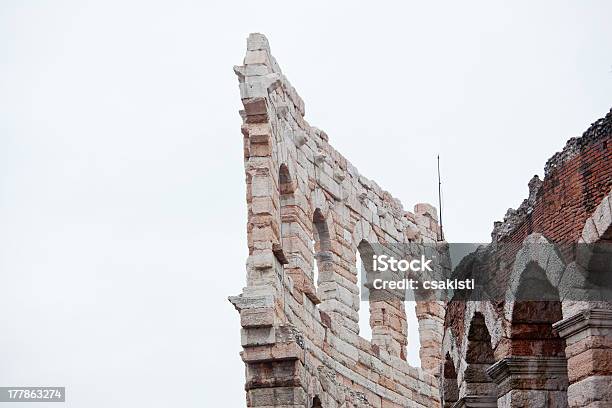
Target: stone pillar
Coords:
[[430, 315], [275, 372], [449, 389], [476, 401], [588, 339], [273, 354], [530, 381], [388, 322]]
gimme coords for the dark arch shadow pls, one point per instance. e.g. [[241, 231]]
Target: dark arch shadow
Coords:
[[479, 357], [450, 389]]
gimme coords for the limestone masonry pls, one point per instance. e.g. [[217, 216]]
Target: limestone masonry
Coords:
[[310, 213]]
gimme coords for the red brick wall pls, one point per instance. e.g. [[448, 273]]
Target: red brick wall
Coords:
[[569, 195]]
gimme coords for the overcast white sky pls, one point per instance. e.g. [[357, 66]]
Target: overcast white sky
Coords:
[[122, 191]]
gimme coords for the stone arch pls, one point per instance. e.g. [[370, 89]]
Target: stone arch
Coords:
[[294, 252], [539, 262], [536, 307], [363, 258], [472, 354], [363, 231], [322, 261], [536, 367], [286, 184], [479, 357], [363, 241], [387, 311], [492, 320], [316, 402], [450, 388], [286, 188], [533, 300]]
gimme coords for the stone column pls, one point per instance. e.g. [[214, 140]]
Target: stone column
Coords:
[[530, 381], [430, 315], [388, 322], [588, 339], [448, 383], [275, 372]]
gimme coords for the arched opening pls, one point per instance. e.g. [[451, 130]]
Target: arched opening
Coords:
[[422, 314], [285, 184], [413, 335], [450, 390], [537, 365], [363, 265], [287, 216], [479, 357], [536, 308], [295, 252], [316, 403], [321, 246]]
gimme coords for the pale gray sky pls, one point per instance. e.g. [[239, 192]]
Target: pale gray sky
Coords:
[[121, 176]]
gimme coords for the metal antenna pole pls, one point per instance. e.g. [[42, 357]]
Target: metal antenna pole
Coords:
[[440, 200]]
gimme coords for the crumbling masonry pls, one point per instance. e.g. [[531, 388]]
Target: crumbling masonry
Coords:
[[310, 213]]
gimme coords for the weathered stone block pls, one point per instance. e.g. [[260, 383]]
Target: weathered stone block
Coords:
[[257, 336], [275, 397], [260, 317], [590, 390]]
